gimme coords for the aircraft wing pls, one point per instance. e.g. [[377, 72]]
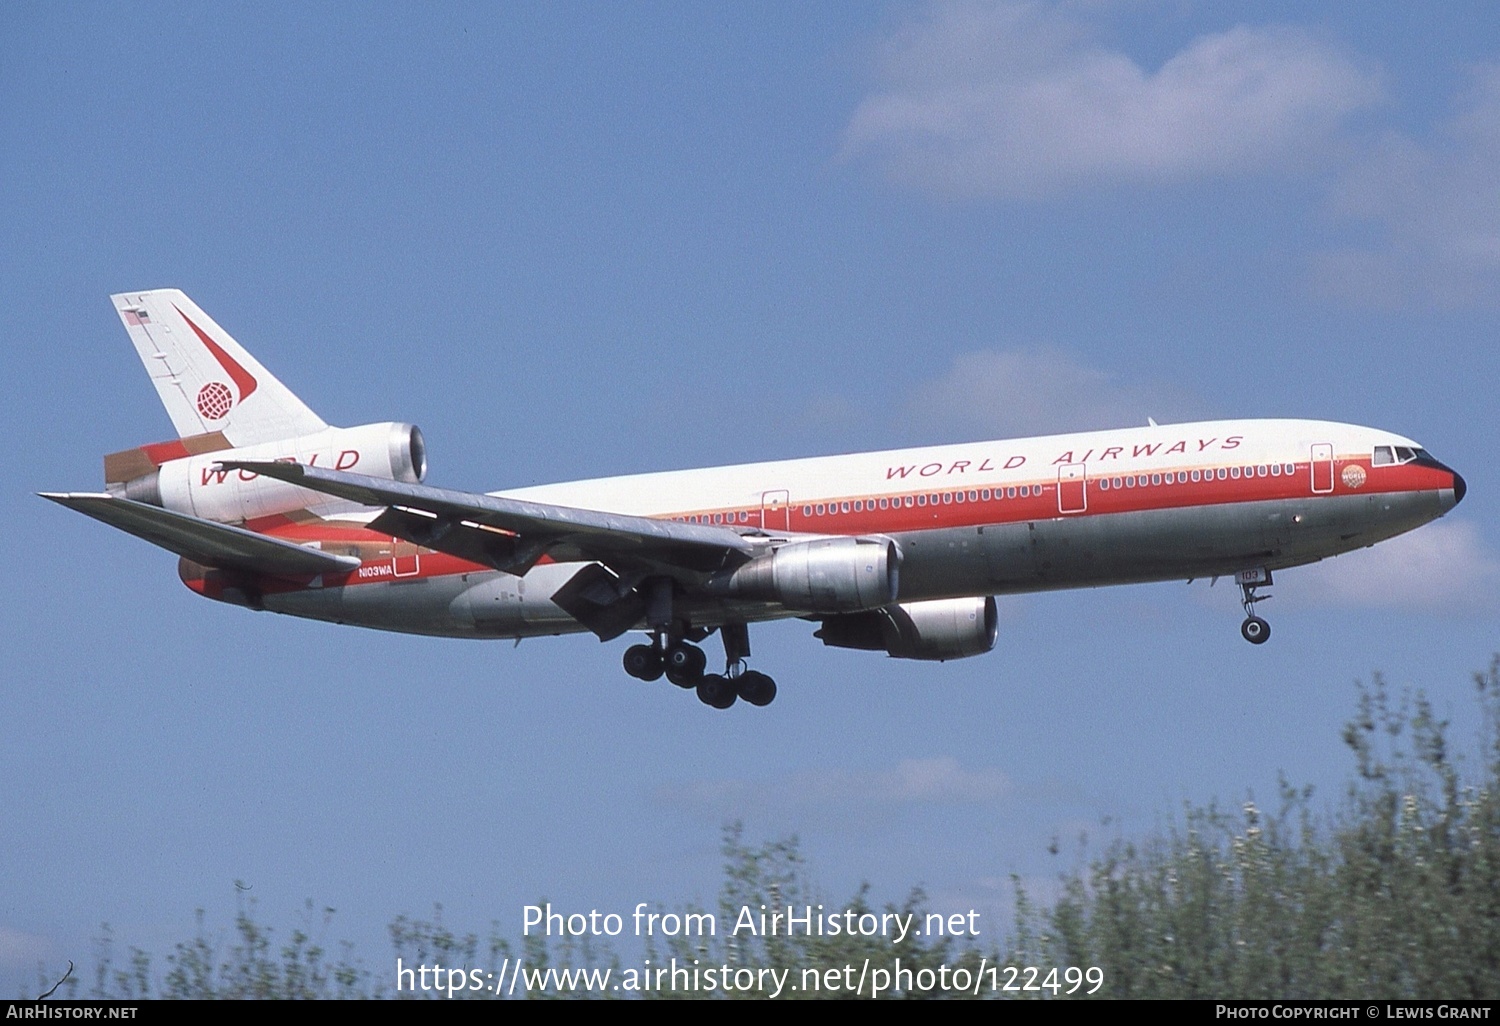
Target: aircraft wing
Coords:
[[512, 534], [204, 541]]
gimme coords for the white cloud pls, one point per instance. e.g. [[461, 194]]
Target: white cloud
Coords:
[[1444, 567], [1015, 99], [1434, 207], [937, 780], [1036, 391]]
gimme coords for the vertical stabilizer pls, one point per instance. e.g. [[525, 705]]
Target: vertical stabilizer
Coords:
[[206, 380]]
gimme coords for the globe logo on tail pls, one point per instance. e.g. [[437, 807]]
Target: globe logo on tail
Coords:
[[214, 400]]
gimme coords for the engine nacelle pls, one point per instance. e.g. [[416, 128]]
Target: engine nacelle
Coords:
[[197, 485], [829, 575], [939, 630]]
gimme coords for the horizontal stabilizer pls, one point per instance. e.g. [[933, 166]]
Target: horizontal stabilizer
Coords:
[[205, 541]]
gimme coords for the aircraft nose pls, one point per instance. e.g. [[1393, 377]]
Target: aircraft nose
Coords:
[[1459, 488]]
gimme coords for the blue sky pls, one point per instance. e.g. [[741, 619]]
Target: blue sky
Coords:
[[578, 240]]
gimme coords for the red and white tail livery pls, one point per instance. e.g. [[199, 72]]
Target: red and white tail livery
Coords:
[[206, 380], [900, 551]]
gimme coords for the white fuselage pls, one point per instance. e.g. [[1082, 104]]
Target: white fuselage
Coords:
[[985, 518]]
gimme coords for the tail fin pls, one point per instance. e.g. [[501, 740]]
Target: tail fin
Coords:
[[206, 380]]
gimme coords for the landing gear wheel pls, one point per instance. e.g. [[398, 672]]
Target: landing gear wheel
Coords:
[[755, 687], [643, 662], [1254, 629], [684, 664], [716, 690]]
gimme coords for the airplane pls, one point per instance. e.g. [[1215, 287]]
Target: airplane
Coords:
[[903, 551]]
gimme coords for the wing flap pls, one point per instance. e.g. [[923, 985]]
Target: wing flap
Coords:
[[204, 541]]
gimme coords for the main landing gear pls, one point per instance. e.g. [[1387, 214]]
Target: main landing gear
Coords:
[[683, 663], [1254, 629]]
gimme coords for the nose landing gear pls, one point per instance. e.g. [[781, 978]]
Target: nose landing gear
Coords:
[[1254, 630]]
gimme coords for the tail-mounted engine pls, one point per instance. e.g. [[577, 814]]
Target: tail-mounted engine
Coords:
[[185, 476], [937, 630]]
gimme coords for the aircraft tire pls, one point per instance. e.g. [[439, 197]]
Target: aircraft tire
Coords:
[[1255, 630], [643, 662], [756, 688], [716, 690], [685, 663]]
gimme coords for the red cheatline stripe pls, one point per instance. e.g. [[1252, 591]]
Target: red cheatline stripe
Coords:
[[164, 452], [241, 377], [965, 514]]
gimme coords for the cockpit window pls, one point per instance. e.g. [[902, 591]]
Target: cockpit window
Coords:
[[1387, 455]]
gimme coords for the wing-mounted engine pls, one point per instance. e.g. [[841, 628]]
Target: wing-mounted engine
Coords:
[[186, 475], [939, 630], [828, 575]]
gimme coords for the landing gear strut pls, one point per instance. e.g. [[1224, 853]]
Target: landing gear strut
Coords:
[[1254, 629], [683, 663]]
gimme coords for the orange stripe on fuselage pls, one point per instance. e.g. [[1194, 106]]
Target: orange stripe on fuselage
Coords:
[[943, 514]]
